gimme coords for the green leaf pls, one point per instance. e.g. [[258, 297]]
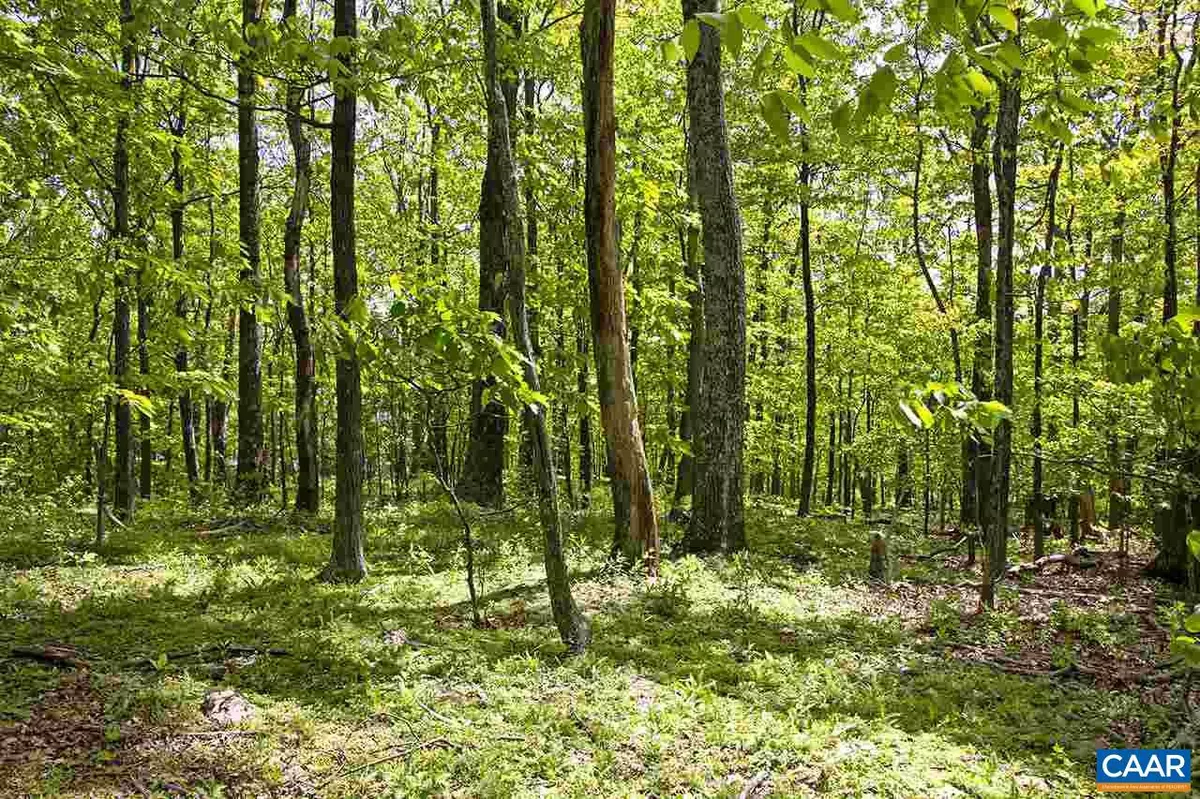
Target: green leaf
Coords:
[[672, 52], [1193, 541], [819, 46], [1088, 7], [797, 63], [895, 53], [943, 15], [690, 38], [712, 19], [841, 9], [1003, 17], [1100, 35], [772, 111], [792, 103], [1192, 623], [731, 36], [1049, 29], [751, 19], [979, 82]]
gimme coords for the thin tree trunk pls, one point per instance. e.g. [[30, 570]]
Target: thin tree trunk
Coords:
[[123, 482], [810, 345], [187, 411], [250, 453], [685, 473], [146, 460], [1004, 156], [975, 507], [1039, 313], [572, 626], [308, 478], [717, 507]]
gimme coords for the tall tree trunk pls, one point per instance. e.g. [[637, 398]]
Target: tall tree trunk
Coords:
[[123, 480], [717, 507], [1039, 314], [586, 463], [346, 563], [1004, 157], [1118, 480], [250, 453], [686, 472], [977, 467], [810, 344], [572, 626], [614, 371], [187, 411], [1173, 560], [146, 459], [482, 480], [308, 477]]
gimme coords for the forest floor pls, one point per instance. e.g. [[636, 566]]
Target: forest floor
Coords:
[[781, 673]]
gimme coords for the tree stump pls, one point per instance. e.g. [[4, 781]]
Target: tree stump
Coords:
[[878, 570]]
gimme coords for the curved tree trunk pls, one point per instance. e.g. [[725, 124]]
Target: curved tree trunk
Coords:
[[347, 563], [614, 370], [717, 507]]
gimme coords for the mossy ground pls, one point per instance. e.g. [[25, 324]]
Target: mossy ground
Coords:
[[780, 673]]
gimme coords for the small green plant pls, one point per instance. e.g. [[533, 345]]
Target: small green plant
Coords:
[[667, 596], [746, 581], [944, 620]]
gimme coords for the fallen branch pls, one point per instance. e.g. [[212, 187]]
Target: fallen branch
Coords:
[[1080, 559], [754, 784], [386, 759], [944, 550], [52, 654]]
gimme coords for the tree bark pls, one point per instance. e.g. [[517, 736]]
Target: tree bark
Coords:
[[347, 563], [686, 472], [975, 507], [1004, 158], [308, 476], [187, 411], [123, 479], [810, 345], [586, 463], [482, 480], [1039, 315], [717, 508], [251, 456], [637, 542], [572, 626]]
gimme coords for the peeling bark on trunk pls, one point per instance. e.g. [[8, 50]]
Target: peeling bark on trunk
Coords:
[[636, 542], [717, 521]]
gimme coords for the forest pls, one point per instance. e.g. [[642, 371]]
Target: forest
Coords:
[[515, 398]]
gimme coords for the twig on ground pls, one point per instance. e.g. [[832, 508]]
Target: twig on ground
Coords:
[[386, 759]]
